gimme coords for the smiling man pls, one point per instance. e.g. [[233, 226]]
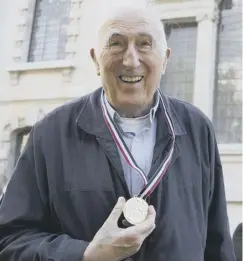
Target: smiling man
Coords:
[[124, 173], [131, 56]]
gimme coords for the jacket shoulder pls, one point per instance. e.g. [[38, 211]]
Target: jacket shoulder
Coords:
[[63, 115], [189, 113]]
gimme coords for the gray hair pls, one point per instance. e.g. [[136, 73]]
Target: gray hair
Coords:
[[105, 10]]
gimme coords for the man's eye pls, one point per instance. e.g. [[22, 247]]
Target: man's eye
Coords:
[[115, 43], [145, 43]]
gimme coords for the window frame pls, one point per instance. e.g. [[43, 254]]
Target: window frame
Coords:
[[16, 141], [32, 13], [176, 23], [29, 29], [19, 60], [200, 11], [225, 148]]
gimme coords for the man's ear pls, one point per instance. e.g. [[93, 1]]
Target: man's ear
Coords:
[[167, 55], [94, 58]]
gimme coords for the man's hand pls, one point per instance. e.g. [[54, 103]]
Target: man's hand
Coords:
[[112, 243]]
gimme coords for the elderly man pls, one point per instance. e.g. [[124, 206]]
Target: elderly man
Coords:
[[124, 173]]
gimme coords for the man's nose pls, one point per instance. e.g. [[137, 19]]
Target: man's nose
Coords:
[[131, 57]]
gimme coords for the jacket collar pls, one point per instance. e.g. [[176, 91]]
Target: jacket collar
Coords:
[[91, 120]]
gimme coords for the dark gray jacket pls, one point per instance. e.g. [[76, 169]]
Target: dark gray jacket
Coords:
[[69, 177]]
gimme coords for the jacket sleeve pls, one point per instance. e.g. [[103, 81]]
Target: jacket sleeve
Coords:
[[26, 228], [219, 246]]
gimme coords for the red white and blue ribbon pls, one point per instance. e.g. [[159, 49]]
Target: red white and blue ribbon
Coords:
[[148, 185]]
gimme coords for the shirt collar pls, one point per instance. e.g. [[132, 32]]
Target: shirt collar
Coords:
[[89, 107], [115, 115]]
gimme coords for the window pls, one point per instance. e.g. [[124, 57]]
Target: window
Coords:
[[23, 142], [228, 90], [227, 4], [49, 30], [178, 80], [3, 173], [21, 138], [10, 152]]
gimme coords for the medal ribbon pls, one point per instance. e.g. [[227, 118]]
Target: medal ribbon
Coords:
[[148, 185]]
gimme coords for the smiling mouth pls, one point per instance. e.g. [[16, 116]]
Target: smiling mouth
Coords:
[[127, 79]]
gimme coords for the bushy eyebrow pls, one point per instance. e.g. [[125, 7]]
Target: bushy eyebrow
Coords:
[[146, 35], [117, 34], [112, 35]]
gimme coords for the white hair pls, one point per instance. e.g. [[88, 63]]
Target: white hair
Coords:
[[104, 10]]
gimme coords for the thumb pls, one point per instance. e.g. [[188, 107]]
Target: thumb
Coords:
[[117, 210]]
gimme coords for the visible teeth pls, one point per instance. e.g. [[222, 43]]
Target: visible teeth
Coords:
[[131, 79]]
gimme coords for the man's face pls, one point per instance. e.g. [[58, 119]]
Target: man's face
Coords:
[[130, 60]]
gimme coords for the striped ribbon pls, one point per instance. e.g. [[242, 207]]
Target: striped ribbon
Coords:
[[148, 185]]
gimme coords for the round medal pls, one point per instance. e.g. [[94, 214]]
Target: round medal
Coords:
[[135, 210]]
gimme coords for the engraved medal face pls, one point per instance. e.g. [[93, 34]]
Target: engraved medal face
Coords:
[[135, 210]]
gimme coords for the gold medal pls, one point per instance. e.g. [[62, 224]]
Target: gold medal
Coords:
[[135, 210]]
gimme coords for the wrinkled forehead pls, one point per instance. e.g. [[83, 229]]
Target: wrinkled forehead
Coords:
[[127, 30], [129, 23]]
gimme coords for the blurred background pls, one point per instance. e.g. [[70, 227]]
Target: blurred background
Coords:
[[44, 62]]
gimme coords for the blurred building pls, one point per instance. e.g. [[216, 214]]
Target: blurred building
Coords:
[[45, 62]]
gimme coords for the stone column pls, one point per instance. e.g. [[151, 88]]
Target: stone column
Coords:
[[206, 61]]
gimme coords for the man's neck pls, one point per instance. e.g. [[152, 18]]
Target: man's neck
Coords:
[[134, 112]]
